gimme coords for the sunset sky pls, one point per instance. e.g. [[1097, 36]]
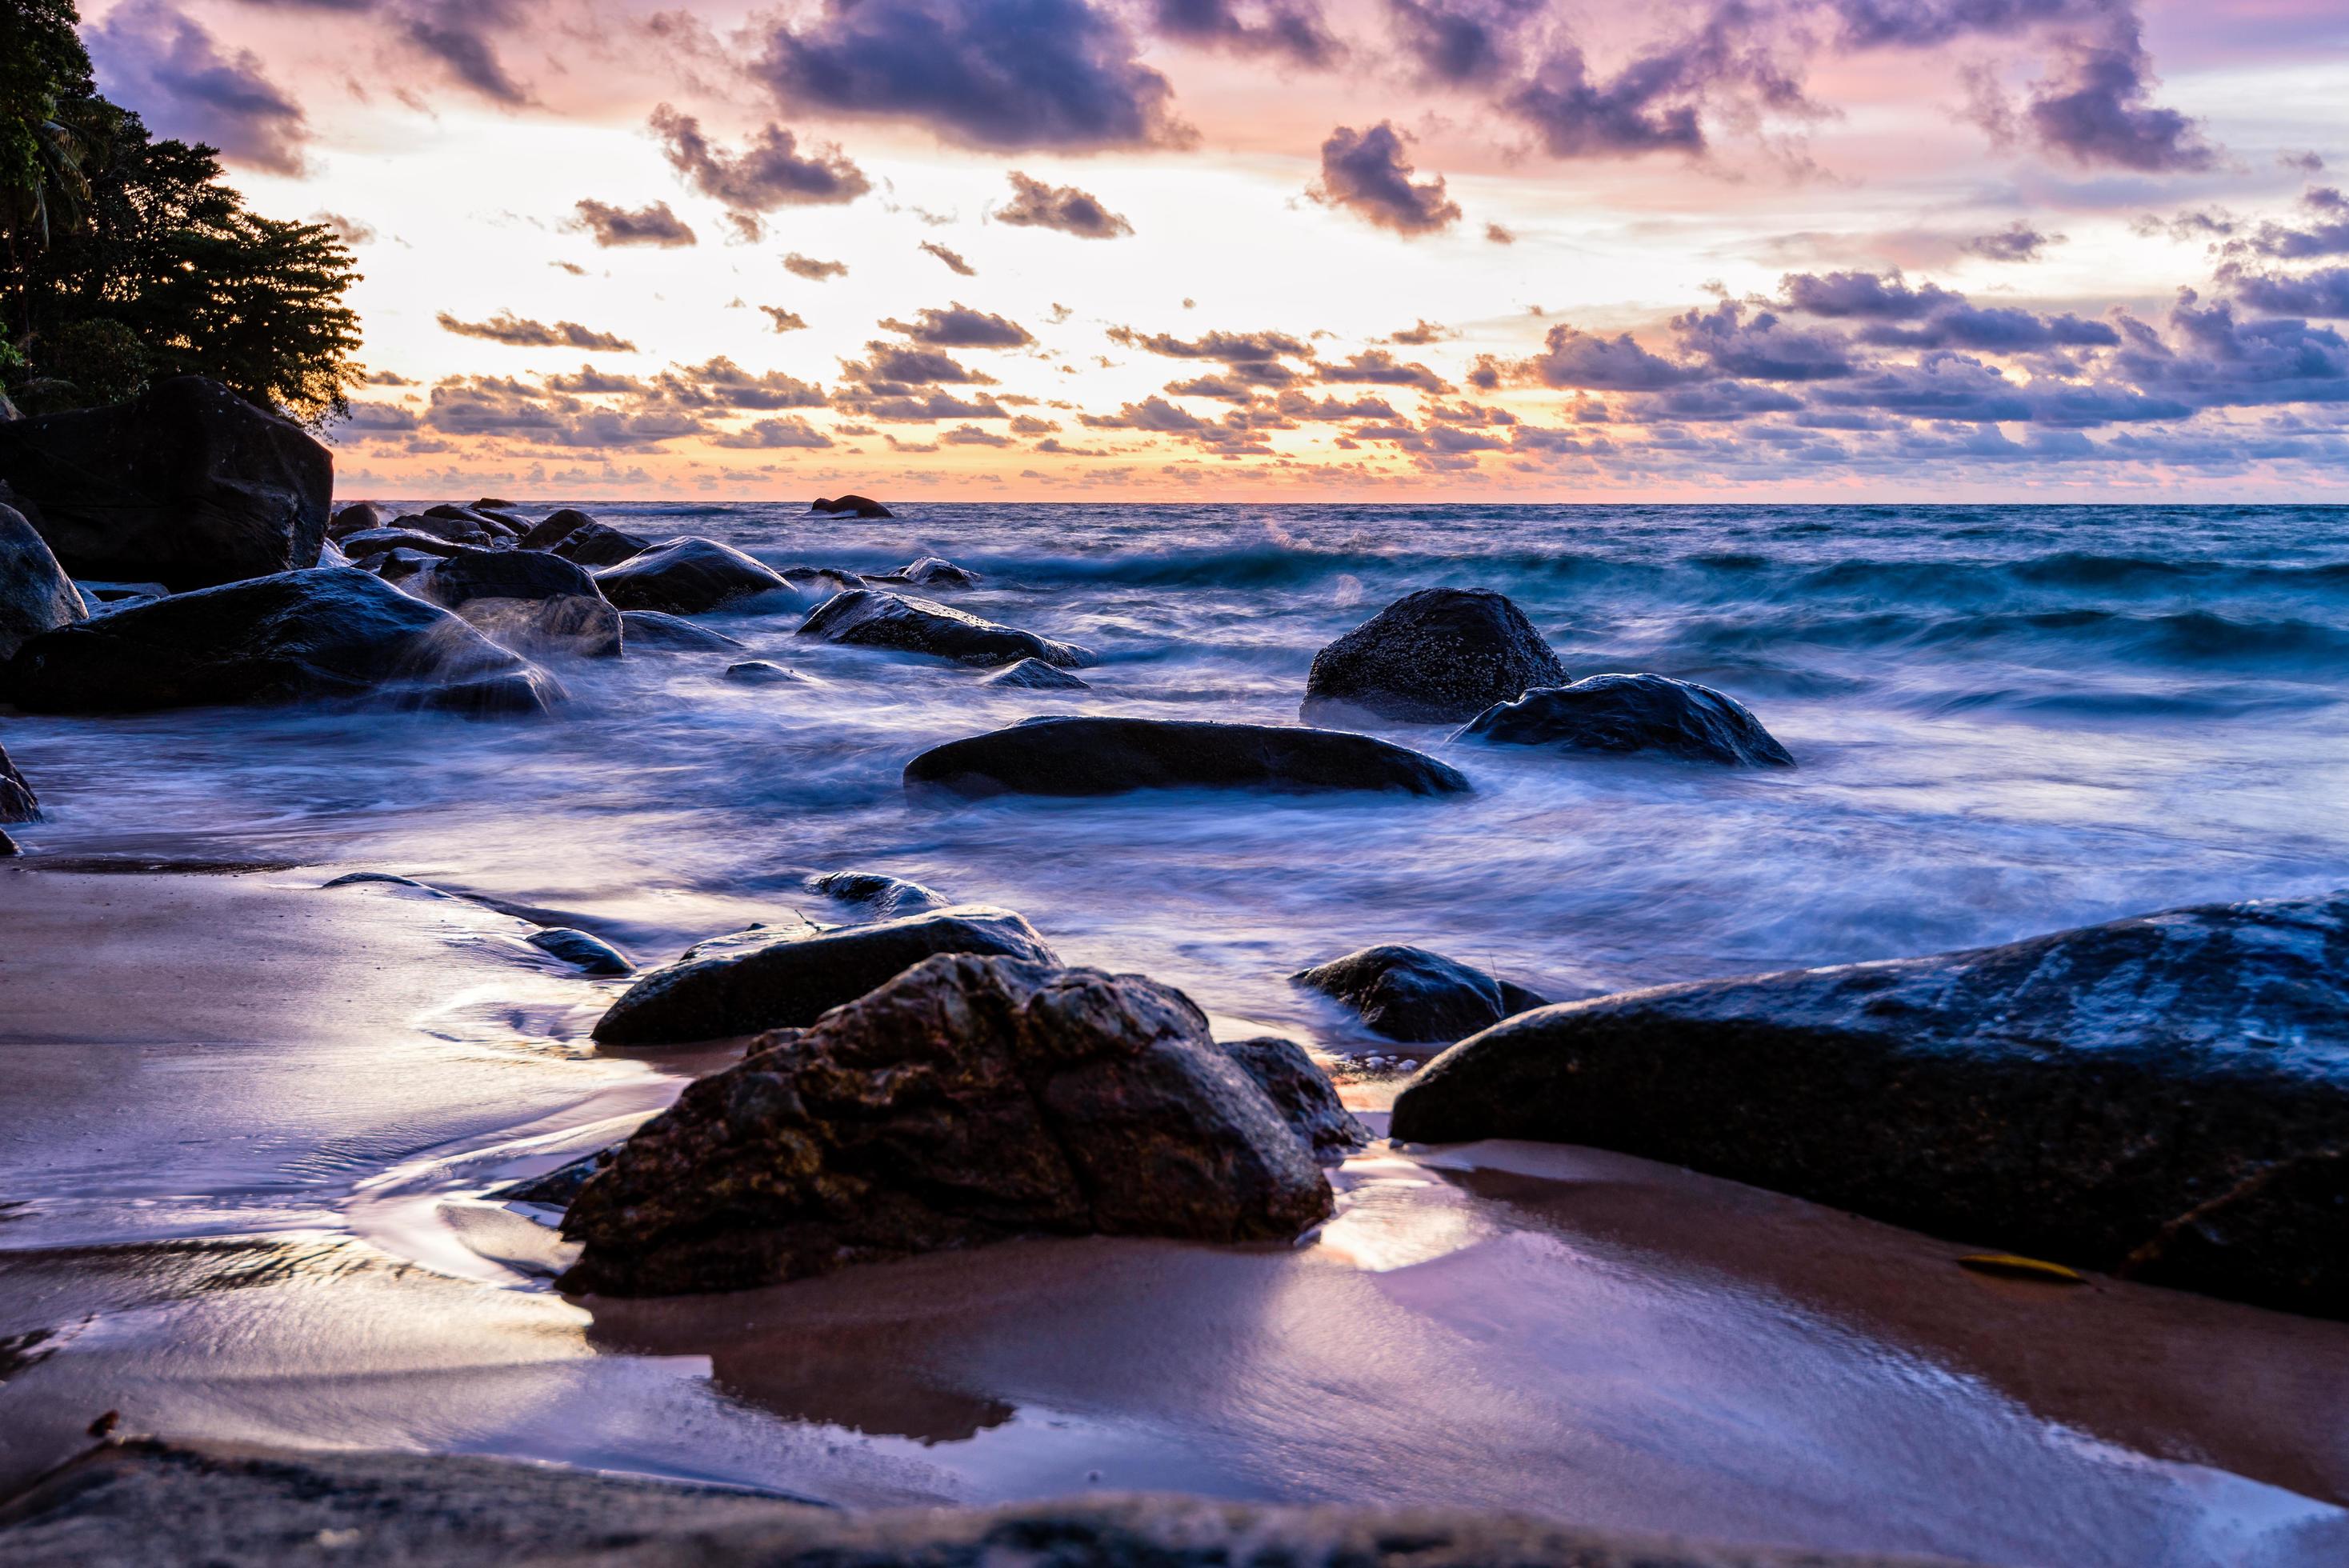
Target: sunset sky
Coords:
[[1276, 249]]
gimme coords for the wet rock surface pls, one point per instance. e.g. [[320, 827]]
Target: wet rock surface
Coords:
[[35, 594], [931, 571], [886, 897], [589, 954], [17, 801], [787, 980], [1061, 755], [762, 672], [188, 484], [688, 576], [849, 506], [1410, 994], [1035, 674], [969, 1099], [641, 629], [1439, 655], [2165, 1097], [1302, 1093], [553, 528], [364, 545], [873, 618], [1629, 712], [538, 604], [599, 544], [329, 632]]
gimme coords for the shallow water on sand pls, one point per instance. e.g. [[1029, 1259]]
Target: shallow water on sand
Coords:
[[2008, 720]]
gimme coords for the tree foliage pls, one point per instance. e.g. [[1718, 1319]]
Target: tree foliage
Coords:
[[129, 259]]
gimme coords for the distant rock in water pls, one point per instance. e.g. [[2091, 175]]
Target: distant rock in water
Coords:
[[1061, 755], [591, 953], [967, 1100], [540, 606], [1303, 1094], [791, 981], [652, 629], [1439, 655], [188, 484], [932, 571], [883, 896], [329, 632], [35, 596], [1411, 995], [17, 801], [594, 544], [2164, 1097], [553, 528], [871, 618], [1035, 674], [760, 671], [850, 506], [689, 576], [1633, 713]]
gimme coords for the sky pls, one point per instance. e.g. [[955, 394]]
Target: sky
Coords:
[[1289, 250]]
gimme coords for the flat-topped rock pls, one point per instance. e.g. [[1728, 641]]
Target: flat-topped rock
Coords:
[[1436, 657], [966, 1100], [2164, 1097], [875, 618], [1633, 713], [1411, 995], [1063, 755]]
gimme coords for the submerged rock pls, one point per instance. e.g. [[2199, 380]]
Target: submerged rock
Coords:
[[969, 1099], [1439, 655], [689, 576], [850, 506], [578, 948], [885, 896], [761, 671], [1411, 995], [1633, 713], [1303, 1094], [2163, 1098], [871, 618], [1035, 674], [186, 484], [17, 801], [538, 604], [1060, 755], [595, 545], [791, 981], [671, 633], [329, 632], [932, 571], [35, 594]]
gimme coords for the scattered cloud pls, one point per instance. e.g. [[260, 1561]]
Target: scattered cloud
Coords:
[[771, 171], [952, 258], [1036, 205], [186, 85], [785, 320], [517, 331], [1366, 173], [2018, 242], [960, 327], [814, 271], [611, 226]]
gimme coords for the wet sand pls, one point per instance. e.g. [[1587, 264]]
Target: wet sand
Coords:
[[252, 1122]]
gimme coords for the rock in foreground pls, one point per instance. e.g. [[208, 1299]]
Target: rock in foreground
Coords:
[[969, 1101], [17, 801], [873, 618], [1303, 1094], [1410, 994], [1633, 713], [329, 632], [35, 596], [686, 576], [1436, 657], [2164, 1097], [188, 484], [791, 981], [1059, 754]]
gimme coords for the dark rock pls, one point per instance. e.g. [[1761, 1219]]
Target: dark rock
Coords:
[[1060, 755], [490, 500], [556, 1187], [1303, 1094], [512, 527], [1035, 674], [35, 596], [330, 632], [820, 583], [969, 1099], [886, 897], [759, 672], [399, 565], [1633, 713], [453, 523], [591, 954], [871, 618], [188, 484], [688, 577], [1439, 655], [555, 528], [373, 541], [932, 571], [651, 629], [596, 544], [8, 848], [100, 596], [850, 506], [355, 518], [17, 801], [789, 982], [538, 604], [1411, 995], [2164, 1097], [331, 554]]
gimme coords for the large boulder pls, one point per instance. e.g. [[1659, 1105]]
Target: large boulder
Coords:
[[596, 544], [35, 596], [688, 577], [873, 618], [789, 978], [1411, 995], [555, 528], [671, 633], [329, 632], [1436, 657], [188, 485], [849, 506], [2166, 1098], [1633, 713], [1061, 755], [1303, 1094], [17, 801], [967, 1100], [538, 604]]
